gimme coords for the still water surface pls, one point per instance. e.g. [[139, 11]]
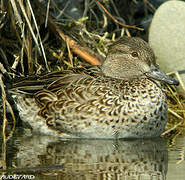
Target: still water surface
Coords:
[[48, 158]]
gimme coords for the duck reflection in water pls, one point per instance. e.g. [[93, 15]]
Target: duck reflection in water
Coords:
[[94, 159]]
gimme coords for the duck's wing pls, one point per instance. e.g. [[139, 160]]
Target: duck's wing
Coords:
[[71, 99], [53, 81]]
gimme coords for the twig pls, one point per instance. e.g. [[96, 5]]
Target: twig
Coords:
[[47, 13], [6, 103], [28, 22], [86, 8], [174, 113], [41, 45], [171, 129], [176, 73], [115, 20], [5, 122], [150, 5]]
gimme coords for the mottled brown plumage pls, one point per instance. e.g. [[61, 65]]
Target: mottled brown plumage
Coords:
[[122, 98]]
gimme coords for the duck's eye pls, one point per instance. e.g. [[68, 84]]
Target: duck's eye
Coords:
[[134, 54]]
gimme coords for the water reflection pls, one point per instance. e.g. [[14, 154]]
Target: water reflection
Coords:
[[91, 159]]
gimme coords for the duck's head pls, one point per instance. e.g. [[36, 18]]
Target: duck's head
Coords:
[[132, 57]]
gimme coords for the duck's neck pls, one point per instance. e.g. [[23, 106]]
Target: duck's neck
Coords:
[[123, 75]]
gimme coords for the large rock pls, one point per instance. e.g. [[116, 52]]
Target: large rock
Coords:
[[167, 36]]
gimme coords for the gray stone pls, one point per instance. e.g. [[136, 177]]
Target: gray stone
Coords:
[[167, 36]]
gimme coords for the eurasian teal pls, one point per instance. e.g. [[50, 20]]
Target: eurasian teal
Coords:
[[123, 98]]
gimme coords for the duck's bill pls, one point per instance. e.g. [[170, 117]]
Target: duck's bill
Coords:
[[157, 74]]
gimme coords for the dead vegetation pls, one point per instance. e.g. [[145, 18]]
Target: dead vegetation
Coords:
[[39, 36]]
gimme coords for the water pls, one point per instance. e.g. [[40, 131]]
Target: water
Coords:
[[48, 158]]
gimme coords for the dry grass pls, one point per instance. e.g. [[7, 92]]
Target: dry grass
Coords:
[[176, 109]]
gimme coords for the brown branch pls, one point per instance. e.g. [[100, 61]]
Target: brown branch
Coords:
[[82, 52], [115, 20]]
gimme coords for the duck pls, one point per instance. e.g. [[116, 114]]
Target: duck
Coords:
[[122, 98]]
